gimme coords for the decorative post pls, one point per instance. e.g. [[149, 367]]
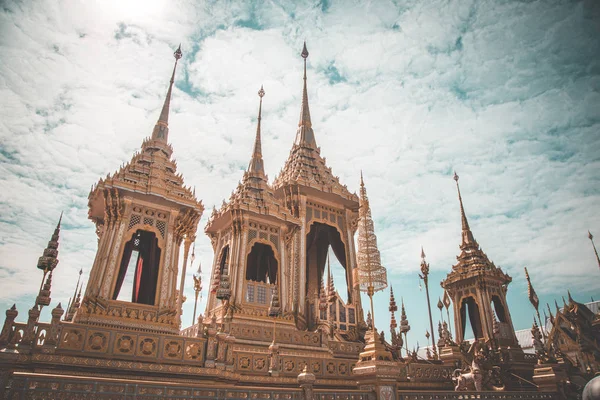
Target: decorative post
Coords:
[[440, 306], [274, 310], [197, 282], [186, 249], [52, 338], [306, 380], [395, 337], [211, 346], [535, 301], [375, 369], [447, 304], [424, 275], [5, 335], [591, 237], [404, 328]]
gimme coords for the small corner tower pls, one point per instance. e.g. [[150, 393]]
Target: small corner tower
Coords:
[[143, 213], [478, 291], [248, 235]]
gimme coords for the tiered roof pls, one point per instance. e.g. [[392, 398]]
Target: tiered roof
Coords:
[[472, 261], [151, 170], [305, 166]]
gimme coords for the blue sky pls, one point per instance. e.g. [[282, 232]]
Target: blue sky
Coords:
[[505, 93]]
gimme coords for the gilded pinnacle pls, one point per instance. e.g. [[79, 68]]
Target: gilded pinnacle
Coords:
[[178, 54], [304, 53], [467, 235], [161, 129], [256, 165]]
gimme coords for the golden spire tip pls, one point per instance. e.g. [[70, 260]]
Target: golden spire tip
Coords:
[[304, 53]]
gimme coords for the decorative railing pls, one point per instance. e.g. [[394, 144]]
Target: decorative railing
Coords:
[[448, 395], [56, 387], [123, 344], [190, 331]]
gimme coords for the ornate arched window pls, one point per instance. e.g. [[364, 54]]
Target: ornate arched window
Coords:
[[138, 270]]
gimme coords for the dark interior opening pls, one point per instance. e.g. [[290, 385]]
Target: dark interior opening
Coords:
[[318, 241], [474, 317], [223, 259], [139, 268], [261, 265], [499, 309]]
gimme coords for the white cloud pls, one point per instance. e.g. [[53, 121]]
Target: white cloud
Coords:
[[506, 94]]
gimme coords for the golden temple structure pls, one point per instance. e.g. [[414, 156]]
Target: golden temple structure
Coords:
[[274, 326]]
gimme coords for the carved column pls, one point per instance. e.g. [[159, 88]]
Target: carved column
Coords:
[[306, 380], [302, 266], [221, 350], [52, 336], [274, 359], [11, 314], [211, 346], [240, 277], [229, 341], [458, 329], [29, 332]]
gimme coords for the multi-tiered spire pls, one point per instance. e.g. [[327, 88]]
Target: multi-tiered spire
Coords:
[[256, 166], [467, 235], [471, 255], [305, 166], [161, 129], [253, 193], [305, 135], [151, 170], [371, 274], [47, 262]]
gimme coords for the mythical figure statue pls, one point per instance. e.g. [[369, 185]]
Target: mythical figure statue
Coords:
[[483, 373]]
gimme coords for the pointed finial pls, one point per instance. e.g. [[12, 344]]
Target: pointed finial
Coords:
[[305, 135], [362, 182], [467, 235], [49, 260], [591, 237], [440, 305], [393, 307], [304, 53], [422, 253], [256, 165], [161, 129]]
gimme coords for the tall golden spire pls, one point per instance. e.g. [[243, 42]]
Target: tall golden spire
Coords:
[[467, 235], [591, 237], [305, 135], [256, 166], [161, 129]]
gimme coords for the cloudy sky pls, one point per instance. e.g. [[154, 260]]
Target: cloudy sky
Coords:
[[505, 93]]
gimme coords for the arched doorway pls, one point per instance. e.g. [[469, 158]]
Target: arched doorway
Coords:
[[469, 306], [261, 264], [318, 241], [138, 271]]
